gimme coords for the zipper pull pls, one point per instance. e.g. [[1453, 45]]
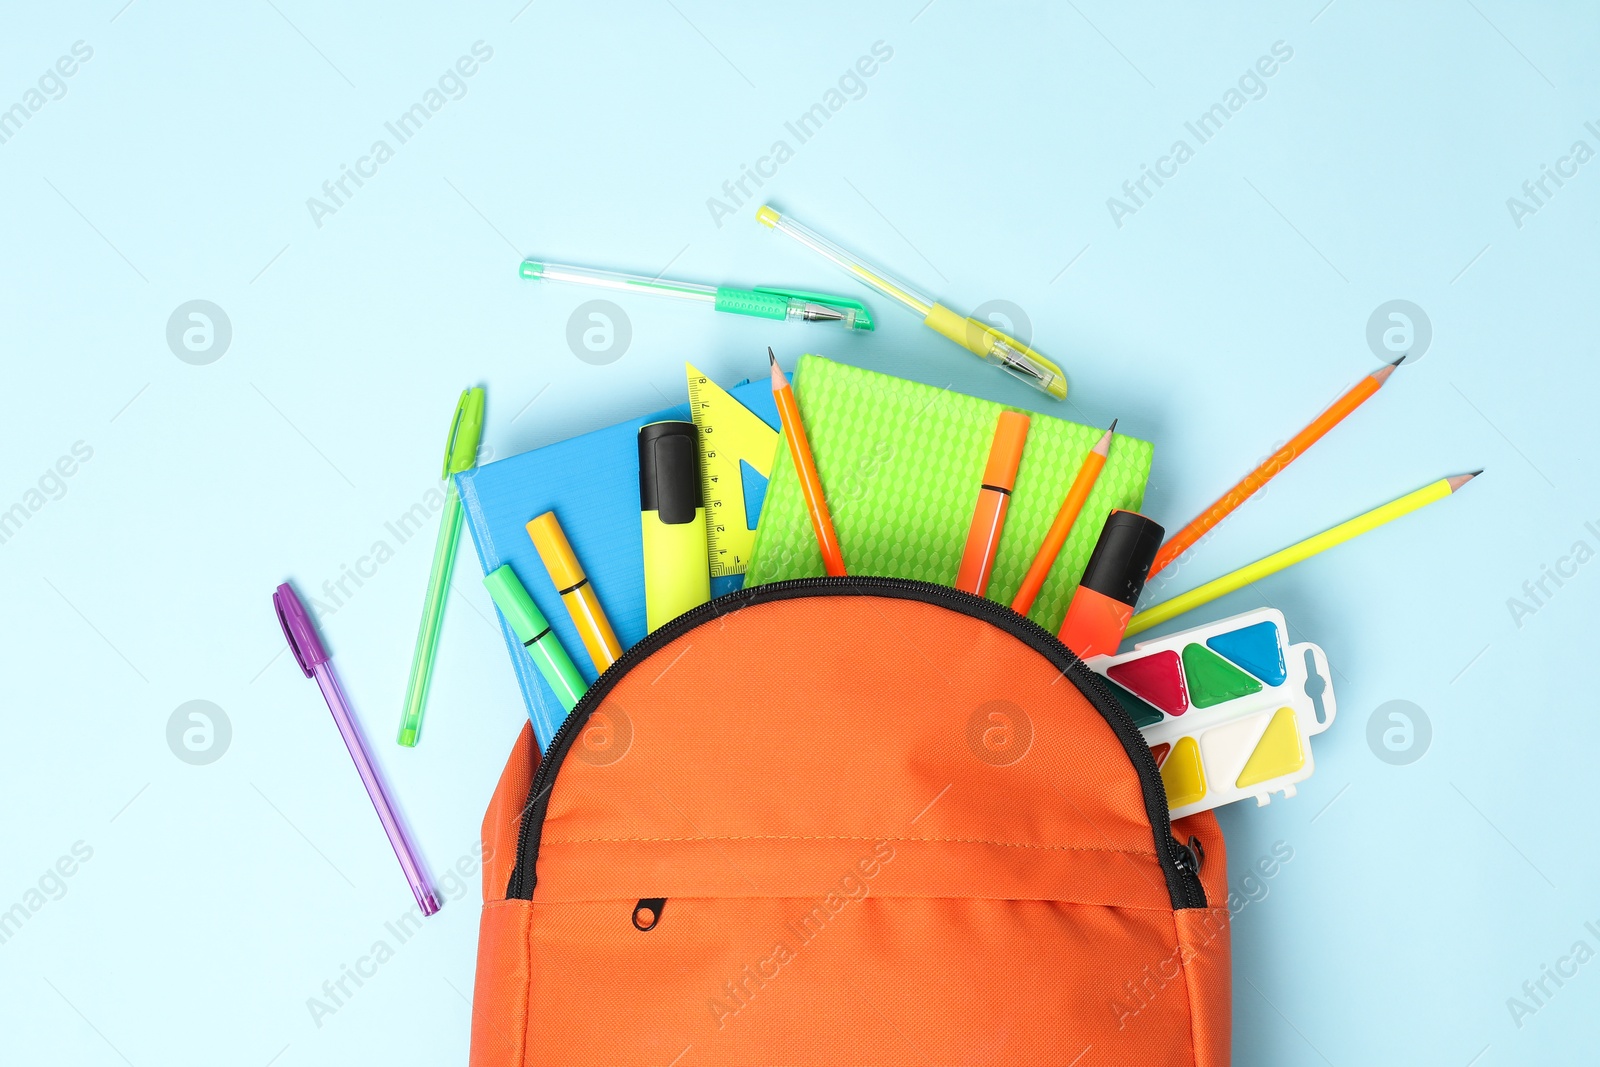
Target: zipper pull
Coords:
[[1192, 856], [647, 913]]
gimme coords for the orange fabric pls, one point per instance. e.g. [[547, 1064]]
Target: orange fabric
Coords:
[[504, 817], [884, 831], [1205, 934]]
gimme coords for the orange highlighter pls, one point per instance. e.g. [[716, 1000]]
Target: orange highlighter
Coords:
[[1115, 576], [576, 592], [994, 497]]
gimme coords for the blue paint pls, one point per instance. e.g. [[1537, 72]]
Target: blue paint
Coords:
[[1256, 649]]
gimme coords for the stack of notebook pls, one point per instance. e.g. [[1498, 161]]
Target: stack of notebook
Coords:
[[901, 462]]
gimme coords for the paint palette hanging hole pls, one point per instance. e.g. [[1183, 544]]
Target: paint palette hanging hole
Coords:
[[1316, 685]]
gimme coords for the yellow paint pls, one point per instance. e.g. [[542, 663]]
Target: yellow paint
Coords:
[[1183, 775], [1278, 753]]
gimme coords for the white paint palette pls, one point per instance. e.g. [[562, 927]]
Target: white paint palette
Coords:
[[1228, 709]]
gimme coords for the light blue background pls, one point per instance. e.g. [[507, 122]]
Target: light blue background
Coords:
[[1215, 321]]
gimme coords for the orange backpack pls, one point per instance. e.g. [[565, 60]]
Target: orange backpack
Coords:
[[848, 821]]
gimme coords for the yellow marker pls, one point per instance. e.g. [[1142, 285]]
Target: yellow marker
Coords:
[[729, 433], [576, 592], [980, 338], [1288, 557], [677, 574]]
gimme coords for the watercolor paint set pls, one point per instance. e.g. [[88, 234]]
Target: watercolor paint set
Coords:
[[1228, 709]]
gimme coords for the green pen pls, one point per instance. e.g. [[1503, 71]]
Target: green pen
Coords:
[[460, 453], [763, 302], [533, 630]]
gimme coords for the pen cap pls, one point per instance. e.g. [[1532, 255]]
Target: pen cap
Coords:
[[466, 433], [1005, 455], [555, 551], [1121, 559], [297, 629], [669, 471], [511, 597]]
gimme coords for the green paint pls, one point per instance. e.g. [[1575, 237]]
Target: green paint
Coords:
[[1141, 713], [1212, 679]]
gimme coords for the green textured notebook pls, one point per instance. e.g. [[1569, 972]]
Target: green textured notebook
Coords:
[[901, 461]]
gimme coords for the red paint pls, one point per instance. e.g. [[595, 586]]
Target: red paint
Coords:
[[1157, 678], [1160, 753]]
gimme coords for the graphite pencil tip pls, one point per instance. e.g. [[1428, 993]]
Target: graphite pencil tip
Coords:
[[1381, 375], [1113, 427], [1457, 481], [779, 382]]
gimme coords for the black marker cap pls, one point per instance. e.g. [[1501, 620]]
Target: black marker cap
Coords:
[[1122, 557], [669, 470]]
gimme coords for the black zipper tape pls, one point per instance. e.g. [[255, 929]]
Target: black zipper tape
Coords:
[[1177, 862]]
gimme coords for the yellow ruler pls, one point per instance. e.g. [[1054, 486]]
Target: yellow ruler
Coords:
[[729, 432]]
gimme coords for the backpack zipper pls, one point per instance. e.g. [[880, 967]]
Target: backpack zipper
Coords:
[[1177, 861]]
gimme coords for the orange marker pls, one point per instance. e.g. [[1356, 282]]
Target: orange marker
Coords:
[[994, 497], [1103, 604], [1082, 486], [1179, 542], [576, 592], [794, 431]]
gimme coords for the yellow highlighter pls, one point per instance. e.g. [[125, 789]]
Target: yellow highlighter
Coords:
[[980, 338], [576, 592], [677, 567]]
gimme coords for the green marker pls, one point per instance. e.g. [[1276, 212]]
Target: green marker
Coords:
[[460, 454], [529, 624], [763, 302]]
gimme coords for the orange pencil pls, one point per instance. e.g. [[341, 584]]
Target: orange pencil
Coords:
[[994, 497], [1179, 542], [794, 431], [1082, 486]]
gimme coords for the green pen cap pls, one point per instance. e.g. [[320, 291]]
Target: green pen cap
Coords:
[[526, 620], [533, 630], [466, 433]]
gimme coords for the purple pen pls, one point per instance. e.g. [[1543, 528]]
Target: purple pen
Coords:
[[315, 663]]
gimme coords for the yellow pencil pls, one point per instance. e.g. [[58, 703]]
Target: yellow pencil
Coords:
[[1288, 557]]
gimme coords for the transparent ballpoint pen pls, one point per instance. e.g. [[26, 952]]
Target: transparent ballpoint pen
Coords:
[[763, 302], [980, 338], [460, 454], [312, 658]]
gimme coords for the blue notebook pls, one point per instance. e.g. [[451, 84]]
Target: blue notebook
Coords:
[[591, 482]]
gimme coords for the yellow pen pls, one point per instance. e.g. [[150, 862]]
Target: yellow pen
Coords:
[[980, 338], [576, 592]]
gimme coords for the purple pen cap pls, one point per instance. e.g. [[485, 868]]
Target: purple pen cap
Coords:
[[297, 629]]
